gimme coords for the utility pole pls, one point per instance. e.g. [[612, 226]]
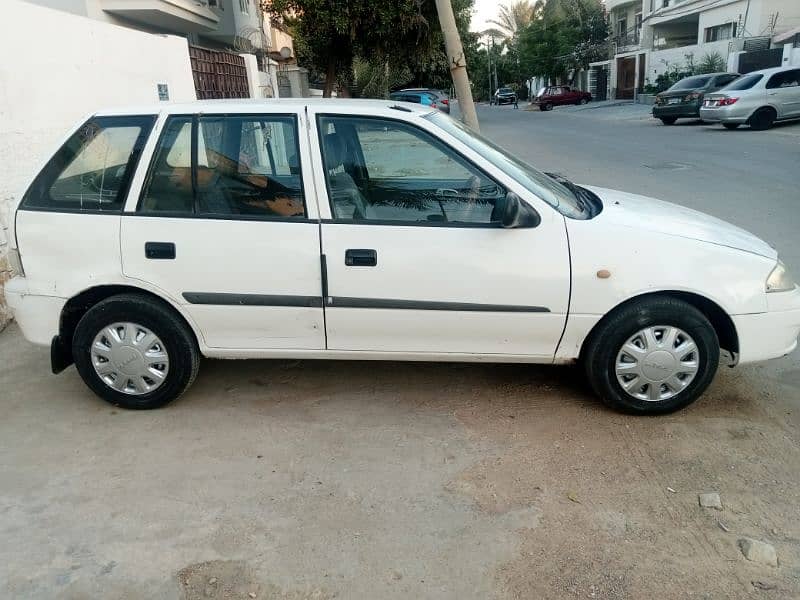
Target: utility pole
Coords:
[[489, 65], [458, 63]]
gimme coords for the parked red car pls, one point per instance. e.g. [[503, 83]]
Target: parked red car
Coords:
[[556, 95]]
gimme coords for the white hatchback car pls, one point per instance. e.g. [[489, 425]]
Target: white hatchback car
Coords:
[[371, 230]]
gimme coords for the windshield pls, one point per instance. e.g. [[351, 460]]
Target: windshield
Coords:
[[690, 83], [505, 91], [546, 188], [744, 83]]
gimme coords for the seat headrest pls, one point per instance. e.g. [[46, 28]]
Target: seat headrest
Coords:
[[335, 150]]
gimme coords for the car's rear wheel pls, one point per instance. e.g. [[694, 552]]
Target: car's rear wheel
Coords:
[[731, 126], [582, 101], [652, 356], [763, 119], [133, 353], [669, 120]]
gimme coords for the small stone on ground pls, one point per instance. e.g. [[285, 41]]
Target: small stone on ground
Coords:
[[710, 500], [759, 552]]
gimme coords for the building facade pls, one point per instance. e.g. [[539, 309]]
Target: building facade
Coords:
[[651, 37], [215, 30]]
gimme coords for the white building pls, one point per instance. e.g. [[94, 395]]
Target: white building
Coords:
[[650, 37]]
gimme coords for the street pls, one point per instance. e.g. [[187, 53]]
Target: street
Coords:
[[294, 480]]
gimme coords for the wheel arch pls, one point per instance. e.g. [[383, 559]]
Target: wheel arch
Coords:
[[769, 107], [77, 306], [720, 320]]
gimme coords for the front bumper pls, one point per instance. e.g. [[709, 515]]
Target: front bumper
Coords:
[[772, 334], [38, 316]]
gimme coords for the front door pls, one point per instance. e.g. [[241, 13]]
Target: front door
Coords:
[[223, 227], [416, 259]]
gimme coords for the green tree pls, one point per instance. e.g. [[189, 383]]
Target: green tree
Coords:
[[516, 16], [711, 63], [337, 38], [566, 36]]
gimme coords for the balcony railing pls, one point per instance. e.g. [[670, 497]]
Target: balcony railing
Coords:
[[631, 38]]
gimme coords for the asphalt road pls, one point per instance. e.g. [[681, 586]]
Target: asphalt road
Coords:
[[301, 480], [749, 178]]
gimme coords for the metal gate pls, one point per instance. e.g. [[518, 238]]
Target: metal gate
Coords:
[[760, 59], [218, 74], [598, 82]]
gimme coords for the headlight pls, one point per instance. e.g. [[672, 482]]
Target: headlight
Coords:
[[780, 280]]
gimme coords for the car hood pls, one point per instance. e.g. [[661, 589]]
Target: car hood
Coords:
[[641, 212]]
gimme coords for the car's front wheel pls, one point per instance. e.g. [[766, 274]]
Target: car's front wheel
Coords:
[[546, 106], [135, 353], [669, 120], [731, 126], [652, 356]]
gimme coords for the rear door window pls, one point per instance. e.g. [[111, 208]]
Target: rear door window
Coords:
[[243, 166], [92, 171], [784, 80]]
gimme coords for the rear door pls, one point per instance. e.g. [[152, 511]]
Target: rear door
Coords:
[[223, 225], [783, 92], [416, 259]]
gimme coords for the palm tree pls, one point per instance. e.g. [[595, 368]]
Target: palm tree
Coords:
[[517, 15]]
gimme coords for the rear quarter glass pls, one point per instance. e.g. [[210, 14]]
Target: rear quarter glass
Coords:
[[93, 169]]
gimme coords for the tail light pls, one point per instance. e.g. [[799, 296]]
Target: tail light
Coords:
[[445, 101], [433, 105], [15, 260], [728, 101]]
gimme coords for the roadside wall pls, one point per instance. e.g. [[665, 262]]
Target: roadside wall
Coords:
[[56, 69]]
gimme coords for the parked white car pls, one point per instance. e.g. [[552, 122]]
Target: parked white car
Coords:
[[758, 99], [373, 231]]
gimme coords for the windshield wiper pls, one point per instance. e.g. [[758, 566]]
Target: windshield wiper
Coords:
[[577, 191]]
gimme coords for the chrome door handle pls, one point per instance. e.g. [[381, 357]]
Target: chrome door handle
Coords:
[[446, 192]]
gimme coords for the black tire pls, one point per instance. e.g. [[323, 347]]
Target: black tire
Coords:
[[546, 106], [177, 338], [763, 119], [582, 101], [607, 339], [731, 126], [669, 120]]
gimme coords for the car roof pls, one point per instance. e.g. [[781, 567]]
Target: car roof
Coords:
[[772, 71], [429, 90], [245, 105]]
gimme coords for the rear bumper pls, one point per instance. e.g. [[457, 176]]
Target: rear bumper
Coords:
[[38, 316], [677, 110], [724, 114], [768, 335]]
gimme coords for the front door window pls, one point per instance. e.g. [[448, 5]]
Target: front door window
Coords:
[[386, 170]]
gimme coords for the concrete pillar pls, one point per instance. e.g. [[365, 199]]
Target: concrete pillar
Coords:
[[253, 84]]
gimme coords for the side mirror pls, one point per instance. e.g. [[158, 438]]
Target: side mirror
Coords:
[[517, 215]]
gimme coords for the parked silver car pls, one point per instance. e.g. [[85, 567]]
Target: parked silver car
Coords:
[[758, 99]]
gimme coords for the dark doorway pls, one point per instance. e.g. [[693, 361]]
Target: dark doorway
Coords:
[[626, 77]]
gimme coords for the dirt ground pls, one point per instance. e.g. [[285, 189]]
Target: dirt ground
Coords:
[[317, 480]]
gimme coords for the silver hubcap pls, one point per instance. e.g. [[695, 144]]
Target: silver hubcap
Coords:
[[130, 358], [657, 363]]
